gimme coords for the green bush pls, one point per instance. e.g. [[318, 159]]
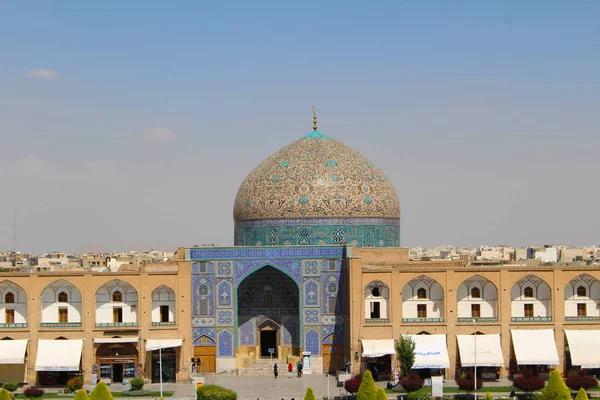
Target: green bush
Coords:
[[488, 396], [138, 393], [556, 389], [367, 389], [10, 386], [101, 392], [81, 394], [74, 384], [310, 395], [214, 392], [581, 395], [5, 395], [136, 384], [381, 395]]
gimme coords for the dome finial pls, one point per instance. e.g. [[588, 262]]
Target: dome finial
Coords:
[[314, 119]]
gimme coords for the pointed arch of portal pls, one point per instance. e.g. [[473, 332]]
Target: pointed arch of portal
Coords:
[[248, 325]]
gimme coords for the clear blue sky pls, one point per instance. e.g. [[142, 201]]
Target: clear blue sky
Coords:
[[131, 124]]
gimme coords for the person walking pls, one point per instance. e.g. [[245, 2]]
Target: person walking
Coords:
[[290, 369], [299, 369], [275, 370]]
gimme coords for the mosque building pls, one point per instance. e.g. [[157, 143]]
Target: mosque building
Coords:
[[317, 274]]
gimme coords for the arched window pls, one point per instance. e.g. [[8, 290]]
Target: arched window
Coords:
[[421, 293], [581, 291], [62, 297], [117, 296], [9, 297], [476, 293], [528, 291], [375, 292]]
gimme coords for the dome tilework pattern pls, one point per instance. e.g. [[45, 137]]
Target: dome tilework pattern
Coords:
[[316, 177]]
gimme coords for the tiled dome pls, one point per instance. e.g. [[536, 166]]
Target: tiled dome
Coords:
[[316, 177]]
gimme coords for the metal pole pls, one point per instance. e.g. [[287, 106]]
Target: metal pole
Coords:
[[475, 356], [327, 375], [160, 365]]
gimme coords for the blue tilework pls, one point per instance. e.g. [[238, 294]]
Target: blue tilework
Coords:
[[312, 316], [263, 253], [208, 332], [311, 293], [312, 342], [225, 317], [225, 347], [224, 294]]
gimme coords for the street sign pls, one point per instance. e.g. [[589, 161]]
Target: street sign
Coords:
[[271, 350]]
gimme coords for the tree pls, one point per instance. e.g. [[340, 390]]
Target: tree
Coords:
[[310, 395], [101, 392], [405, 352], [528, 382], [556, 389], [5, 395], [582, 395], [367, 389], [381, 395]]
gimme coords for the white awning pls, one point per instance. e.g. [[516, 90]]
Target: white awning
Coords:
[[535, 347], [13, 351], [58, 355], [155, 344], [430, 351], [584, 347], [116, 340], [489, 350], [378, 347]]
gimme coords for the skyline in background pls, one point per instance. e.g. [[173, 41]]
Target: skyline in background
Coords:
[[131, 126]]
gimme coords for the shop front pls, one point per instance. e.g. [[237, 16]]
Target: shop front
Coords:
[[58, 360], [534, 349], [377, 358], [164, 358], [431, 355], [485, 351], [12, 360], [116, 359]]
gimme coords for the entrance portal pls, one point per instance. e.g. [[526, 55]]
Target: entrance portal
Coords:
[[268, 314], [117, 361], [268, 340]]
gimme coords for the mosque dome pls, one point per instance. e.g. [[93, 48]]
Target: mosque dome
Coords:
[[315, 191]]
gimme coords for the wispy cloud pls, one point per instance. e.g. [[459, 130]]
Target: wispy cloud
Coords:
[[159, 134], [42, 73]]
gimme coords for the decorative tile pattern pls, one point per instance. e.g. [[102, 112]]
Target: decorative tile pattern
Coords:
[[203, 321], [328, 320], [224, 268], [246, 333], [202, 289], [333, 334], [225, 347], [311, 267], [312, 316], [210, 333], [247, 267], [311, 293], [305, 187], [262, 253], [312, 342], [224, 294], [225, 317], [290, 332]]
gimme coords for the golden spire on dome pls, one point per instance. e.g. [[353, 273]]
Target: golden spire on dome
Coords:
[[314, 119]]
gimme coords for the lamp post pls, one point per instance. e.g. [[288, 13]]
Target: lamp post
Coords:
[[475, 358], [160, 364]]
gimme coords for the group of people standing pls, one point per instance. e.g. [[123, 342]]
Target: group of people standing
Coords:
[[290, 369]]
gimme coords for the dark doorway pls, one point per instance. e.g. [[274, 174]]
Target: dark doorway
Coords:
[[268, 340], [169, 365], [117, 372]]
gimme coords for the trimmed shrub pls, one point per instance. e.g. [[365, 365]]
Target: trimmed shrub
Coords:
[[381, 395], [74, 384], [81, 394], [527, 382], [556, 389], [214, 392], [136, 384], [582, 380], [5, 395], [101, 392], [138, 393], [33, 392], [412, 383], [467, 382], [581, 395], [367, 389], [10, 386], [310, 395], [352, 385], [488, 396]]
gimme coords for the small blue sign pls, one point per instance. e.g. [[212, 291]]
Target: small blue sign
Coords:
[[271, 350]]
